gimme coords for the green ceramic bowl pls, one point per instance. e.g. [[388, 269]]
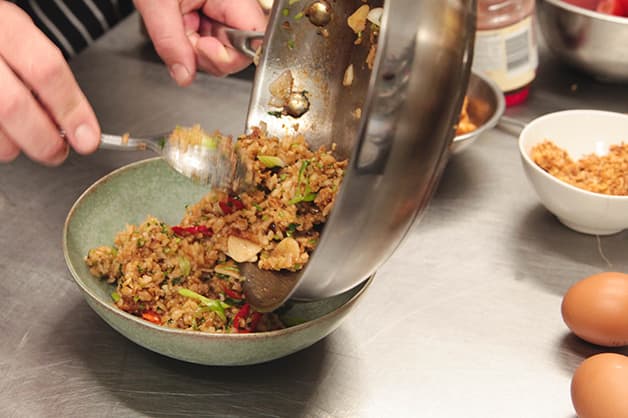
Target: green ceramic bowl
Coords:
[[150, 187]]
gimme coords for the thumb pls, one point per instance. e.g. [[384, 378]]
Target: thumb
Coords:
[[164, 24]]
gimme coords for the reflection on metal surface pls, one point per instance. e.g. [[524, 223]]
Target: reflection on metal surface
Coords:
[[297, 104], [319, 12]]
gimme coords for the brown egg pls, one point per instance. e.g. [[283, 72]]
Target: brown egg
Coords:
[[599, 388], [596, 309]]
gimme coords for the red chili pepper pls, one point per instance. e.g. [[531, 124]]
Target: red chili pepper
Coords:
[[243, 313], [232, 293], [255, 318], [152, 316], [198, 229], [230, 205]]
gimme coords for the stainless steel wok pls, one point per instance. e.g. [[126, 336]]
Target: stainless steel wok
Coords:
[[394, 121]]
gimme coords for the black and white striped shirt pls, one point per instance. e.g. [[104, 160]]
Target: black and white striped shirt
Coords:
[[74, 24]]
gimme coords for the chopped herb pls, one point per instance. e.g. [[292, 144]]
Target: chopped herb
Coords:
[[271, 161], [184, 265], [298, 16], [304, 195], [162, 143], [291, 2], [291, 44], [292, 227], [257, 207], [283, 176], [285, 12], [140, 243], [276, 113], [176, 281], [115, 296]]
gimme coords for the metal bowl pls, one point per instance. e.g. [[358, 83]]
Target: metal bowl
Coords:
[[393, 121], [485, 108], [592, 42]]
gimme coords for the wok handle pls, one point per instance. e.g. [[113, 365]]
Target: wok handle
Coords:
[[242, 40]]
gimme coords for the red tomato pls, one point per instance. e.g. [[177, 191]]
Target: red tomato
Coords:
[[613, 7]]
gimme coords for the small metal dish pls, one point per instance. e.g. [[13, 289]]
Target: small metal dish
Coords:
[[486, 107]]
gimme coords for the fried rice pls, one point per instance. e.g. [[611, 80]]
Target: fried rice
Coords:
[[186, 276]]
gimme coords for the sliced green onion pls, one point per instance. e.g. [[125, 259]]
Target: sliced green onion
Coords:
[[184, 265], [271, 161], [309, 197], [115, 296], [228, 270], [291, 2], [285, 12], [211, 304]]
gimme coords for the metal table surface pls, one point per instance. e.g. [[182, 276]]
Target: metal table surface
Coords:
[[463, 321]]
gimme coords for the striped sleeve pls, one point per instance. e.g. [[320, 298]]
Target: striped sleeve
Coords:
[[74, 24]]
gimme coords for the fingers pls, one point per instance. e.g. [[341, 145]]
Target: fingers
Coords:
[[26, 124], [241, 14], [215, 53], [8, 150], [40, 95], [165, 26]]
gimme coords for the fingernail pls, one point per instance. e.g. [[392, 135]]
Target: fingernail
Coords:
[[86, 139], [223, 55], [179, 73]]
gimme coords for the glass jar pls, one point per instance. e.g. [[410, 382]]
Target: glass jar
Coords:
[[505, 46]]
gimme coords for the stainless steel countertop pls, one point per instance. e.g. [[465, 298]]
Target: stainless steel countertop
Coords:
[[464, 318]]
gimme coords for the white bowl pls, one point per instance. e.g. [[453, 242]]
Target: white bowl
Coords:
[[579, 132]]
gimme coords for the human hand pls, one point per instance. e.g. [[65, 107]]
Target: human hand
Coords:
[[39, 95], [186, 34]]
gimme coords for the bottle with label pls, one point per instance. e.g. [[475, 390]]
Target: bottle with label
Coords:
[[505, 46]]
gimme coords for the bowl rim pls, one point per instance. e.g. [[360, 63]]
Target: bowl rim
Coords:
[[587, 12], [365, 284], [500, 108], [555, 180]]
